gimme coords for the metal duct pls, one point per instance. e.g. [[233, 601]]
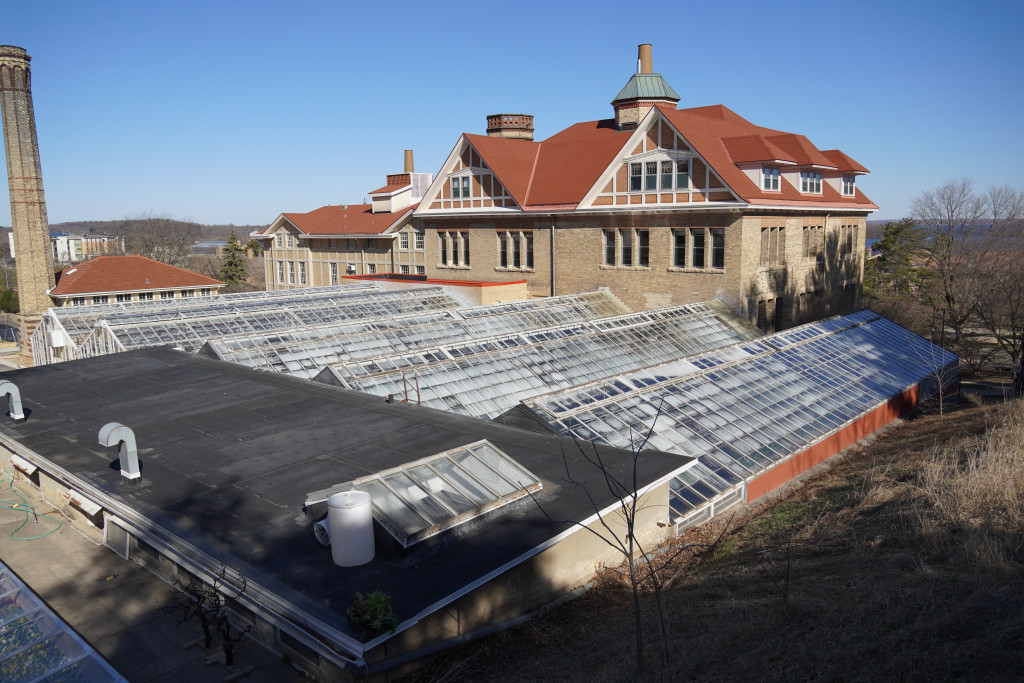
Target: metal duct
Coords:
[[10, 390], [116, 434]]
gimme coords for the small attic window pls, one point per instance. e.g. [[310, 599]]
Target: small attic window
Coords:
[[770, 178], [849, 185], [426, 497]]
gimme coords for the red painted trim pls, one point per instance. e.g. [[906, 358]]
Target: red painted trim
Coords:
[[830, 445], [456, 283]]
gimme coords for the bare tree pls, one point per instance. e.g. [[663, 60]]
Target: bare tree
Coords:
[[644, 569], [160, 238], [1001, 272]]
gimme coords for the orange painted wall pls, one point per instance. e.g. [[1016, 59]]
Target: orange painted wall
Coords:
[[825, 449]]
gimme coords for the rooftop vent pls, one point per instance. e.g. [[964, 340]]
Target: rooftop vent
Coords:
[[116, 434], [10, 390], [515, 126]]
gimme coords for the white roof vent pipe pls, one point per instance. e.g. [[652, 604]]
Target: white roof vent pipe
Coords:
[[116, 434], [10, 389]]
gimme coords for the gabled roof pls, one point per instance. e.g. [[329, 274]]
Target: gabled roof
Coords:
[[125, 274], [348, 219], [556, 172], [716, 132]]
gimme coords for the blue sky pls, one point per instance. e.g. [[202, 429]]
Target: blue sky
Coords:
[[234, 112]]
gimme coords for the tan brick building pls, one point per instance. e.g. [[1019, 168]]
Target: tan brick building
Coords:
[[123, 279], [663, 205], [322, 246]]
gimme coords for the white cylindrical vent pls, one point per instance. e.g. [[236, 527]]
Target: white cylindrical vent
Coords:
[[350, 521], [322, 532]]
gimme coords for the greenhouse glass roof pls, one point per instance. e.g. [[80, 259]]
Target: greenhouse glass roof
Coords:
[[744, 408], [35, 645], [306, 350], [486, 377], [79, 320], [191, 329]]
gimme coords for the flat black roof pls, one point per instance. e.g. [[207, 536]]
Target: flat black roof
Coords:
[[228, 455]]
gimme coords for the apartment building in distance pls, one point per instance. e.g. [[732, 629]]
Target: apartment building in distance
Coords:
[[322, 246], [661, 204]]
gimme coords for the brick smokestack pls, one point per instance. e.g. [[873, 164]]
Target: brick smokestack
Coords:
[[28, 206], [408, 161]]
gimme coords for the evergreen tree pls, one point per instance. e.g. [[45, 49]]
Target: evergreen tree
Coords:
[[233, 269]]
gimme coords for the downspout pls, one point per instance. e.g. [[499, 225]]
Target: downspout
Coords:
[[552, 259]]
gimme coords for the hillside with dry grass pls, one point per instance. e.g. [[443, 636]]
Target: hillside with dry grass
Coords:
[[902, 561]]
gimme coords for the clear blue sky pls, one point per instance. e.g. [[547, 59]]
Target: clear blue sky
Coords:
[[235, 112]]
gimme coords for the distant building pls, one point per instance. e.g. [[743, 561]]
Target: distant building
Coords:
[[74, 248], [320, 247], [111, 279]]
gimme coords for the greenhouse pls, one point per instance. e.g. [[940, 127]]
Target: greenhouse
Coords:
[[35, 645], [485, 377], [306, 350], [745, 408], [68, 333]]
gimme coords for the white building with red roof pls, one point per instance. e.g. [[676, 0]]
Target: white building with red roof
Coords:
[[112, 279], [663, 205]]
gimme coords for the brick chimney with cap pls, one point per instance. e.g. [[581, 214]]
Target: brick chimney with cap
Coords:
[[643, 90]]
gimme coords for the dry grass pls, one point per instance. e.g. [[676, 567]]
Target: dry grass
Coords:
[[902, 561], [974, 490]]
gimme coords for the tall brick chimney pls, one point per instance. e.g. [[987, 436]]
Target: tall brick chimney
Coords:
[[408, 162], [34, 259]]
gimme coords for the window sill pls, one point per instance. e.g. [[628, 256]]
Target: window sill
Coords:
[[512, 269], [452, 267], [766, 269], [605, 266], [705, 271]]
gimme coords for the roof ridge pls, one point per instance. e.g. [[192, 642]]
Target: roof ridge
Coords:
[[533, 172]]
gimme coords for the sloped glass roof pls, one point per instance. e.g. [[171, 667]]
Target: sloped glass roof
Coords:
[[35, 645], [742, 409], [425, 497], [191, 329], [486, 377], [305, 350]]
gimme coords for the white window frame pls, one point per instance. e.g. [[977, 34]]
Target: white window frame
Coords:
[[403, 240], [291, 272], [279, 240], [771, 179], [810, 182], [122, 298], [145, 296], [166, 295], [419, 241], [461, 185], [637, 172], [334, 273], [302, 272], [849, 185], [281, 279]]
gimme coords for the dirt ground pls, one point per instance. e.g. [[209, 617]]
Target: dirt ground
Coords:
[[852, 576]]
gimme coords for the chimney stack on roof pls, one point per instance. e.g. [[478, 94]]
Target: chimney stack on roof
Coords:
[[408, 161], [515, 126], [644, 59]]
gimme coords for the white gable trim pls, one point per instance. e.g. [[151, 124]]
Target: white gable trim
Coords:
[[444, 176]]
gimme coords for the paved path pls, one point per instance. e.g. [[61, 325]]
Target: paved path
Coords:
[[116, 606]]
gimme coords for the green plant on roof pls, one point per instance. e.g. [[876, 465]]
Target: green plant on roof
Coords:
[[372, 613]]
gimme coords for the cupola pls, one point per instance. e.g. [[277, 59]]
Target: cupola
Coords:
[[644, 90]]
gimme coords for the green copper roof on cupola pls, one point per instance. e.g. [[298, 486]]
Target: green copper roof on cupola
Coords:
[[645, 85]]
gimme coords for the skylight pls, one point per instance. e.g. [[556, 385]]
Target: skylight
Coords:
[[423, 498]]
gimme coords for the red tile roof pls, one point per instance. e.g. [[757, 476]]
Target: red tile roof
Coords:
[[125, 274], [560, 171], [708, 128], [353, 219], [395, 181]]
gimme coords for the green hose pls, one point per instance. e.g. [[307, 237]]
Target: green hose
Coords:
[[25, 508]]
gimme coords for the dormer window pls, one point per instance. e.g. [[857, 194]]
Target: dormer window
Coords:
[[849, 185], [770, 178], [683, 174], [810, 182], [636, 172], [460, 188]]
